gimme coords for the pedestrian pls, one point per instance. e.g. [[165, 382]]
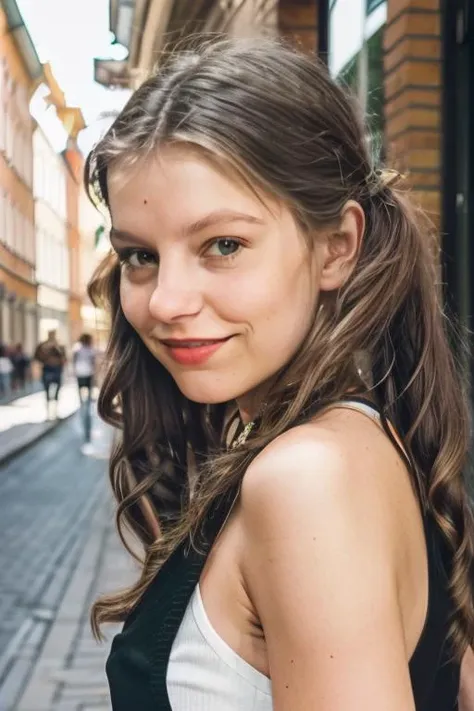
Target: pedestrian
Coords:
[[294, 431], [84, 361], [52, 357], [6, 369], [21, 364]]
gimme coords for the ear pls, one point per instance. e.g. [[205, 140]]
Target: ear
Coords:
[[342, 247]]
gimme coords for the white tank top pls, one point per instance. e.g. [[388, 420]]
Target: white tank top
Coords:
[[204, 673]]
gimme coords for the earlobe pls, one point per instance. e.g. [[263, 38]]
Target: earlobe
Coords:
[[343, 247]]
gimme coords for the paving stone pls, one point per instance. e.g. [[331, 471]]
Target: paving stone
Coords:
[[59, 547]]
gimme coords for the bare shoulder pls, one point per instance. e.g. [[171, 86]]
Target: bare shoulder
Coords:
[[340, 459]]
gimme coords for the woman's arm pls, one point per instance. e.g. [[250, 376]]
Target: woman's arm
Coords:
[[320, 569], [466, 692]]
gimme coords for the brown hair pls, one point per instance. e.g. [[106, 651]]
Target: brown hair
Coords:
[[85, 339], [274, 115]]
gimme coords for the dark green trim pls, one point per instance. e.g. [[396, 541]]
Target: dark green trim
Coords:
[[22, 38], [372, 5]]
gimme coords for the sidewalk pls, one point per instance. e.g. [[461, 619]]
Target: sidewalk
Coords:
[[23, 420], [69, 672], [53, 663], [34, 386]]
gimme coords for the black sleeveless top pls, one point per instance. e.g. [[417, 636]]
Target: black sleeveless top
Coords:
[[138, 660]]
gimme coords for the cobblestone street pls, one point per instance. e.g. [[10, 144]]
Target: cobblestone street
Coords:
[[59, 551]]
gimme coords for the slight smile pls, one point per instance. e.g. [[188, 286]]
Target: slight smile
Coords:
[[193, 351]]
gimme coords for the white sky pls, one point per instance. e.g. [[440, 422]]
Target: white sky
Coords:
[[69, 34]]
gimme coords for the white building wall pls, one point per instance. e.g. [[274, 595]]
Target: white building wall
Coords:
[[90, 219], [52, 250]]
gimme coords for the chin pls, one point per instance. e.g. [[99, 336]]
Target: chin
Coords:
[[210, 390]]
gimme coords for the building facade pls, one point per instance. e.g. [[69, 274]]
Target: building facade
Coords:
[[145, 29], [74, 162], [52, 245], [94, 246], [20, 72], [411, 62]]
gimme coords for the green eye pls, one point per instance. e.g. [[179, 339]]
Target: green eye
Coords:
[[224, 247]]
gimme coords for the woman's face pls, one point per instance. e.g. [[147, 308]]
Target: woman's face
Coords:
[[220, 286]]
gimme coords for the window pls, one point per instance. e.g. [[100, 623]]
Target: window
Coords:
[[2, 105], [24, 235], [9, 223], [28, 158], [2, 125], [22, 103], [17, 236], [41, 255], [2, 217], [16, 158], [67, 280], [9, 137], [357, 58], [30, 229]]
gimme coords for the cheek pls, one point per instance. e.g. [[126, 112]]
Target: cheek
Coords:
[[135, 301], [281, 309]]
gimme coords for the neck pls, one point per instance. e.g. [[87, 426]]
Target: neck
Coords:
[[250, 404]]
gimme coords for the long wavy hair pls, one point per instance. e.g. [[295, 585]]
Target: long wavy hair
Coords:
[[273, 116]]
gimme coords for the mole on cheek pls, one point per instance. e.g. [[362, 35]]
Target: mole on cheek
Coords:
[[145, 201]]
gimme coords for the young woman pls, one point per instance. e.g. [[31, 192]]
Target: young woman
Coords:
[[294, 433]]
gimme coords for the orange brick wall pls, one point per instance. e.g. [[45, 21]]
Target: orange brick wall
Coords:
[[413, 96], [298, 22]]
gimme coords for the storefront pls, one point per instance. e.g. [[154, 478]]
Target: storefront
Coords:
[[458, 159], [412, 68]]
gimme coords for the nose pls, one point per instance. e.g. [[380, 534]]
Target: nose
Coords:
[[176, 295]]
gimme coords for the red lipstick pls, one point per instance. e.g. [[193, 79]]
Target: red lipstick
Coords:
[[192, 351]]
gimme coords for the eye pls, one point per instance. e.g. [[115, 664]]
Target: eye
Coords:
[[223, 247], [137, 258]]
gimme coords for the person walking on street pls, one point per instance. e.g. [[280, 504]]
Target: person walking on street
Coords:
[[52, 357], [21, 364], [294, 432], [84, 362], [6, 369]]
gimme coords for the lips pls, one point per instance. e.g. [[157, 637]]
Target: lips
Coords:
[[193, 351], [191, 342]]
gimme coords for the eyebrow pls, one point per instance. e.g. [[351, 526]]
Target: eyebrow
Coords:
[[219, 217], [124, 236]]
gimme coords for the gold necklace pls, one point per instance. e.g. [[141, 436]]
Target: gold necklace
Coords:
[[242, 438]]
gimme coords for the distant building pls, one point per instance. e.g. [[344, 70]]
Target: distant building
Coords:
[[74, 188], [146, 28], [52, 246], [20, 72], [94, 246], [58, 168]]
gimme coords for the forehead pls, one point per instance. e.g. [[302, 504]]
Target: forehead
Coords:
[[181, 185]]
